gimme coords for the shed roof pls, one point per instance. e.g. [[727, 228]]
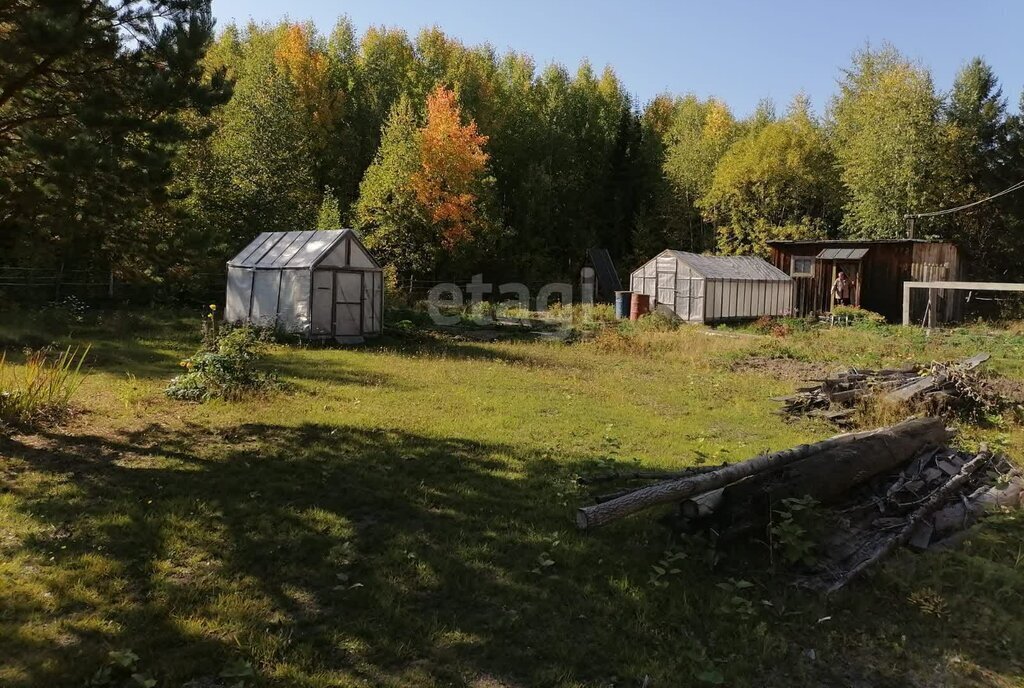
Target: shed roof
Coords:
[[731, 267], [607, 278], [290, 249], [851, 242], [842, 253]]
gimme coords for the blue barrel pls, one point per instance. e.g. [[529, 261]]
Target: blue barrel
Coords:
[[622, 299]]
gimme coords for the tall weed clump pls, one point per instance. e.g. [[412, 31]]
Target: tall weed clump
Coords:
[[225, 367], [41, 388], [858, 317]]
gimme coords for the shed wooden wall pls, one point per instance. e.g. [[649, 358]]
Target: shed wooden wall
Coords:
[[884, 269], [934, 262]]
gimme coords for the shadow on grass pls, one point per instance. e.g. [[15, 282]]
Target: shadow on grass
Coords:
[[443, 346], [151, 345], [148, 344], [333, 555]]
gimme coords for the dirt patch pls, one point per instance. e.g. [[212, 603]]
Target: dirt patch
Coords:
[[1006, 388], [784, 368]]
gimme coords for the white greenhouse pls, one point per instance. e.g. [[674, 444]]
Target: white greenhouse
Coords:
[[704, 289], [321, 284]]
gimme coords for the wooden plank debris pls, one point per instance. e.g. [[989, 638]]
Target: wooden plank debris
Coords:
[[909, 437], [871, 492], [939, 385]]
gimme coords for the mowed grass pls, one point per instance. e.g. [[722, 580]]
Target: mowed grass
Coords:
[[389, 522]]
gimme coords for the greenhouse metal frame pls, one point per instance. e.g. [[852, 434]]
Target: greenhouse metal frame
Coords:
[[705, 289], [320, 283]]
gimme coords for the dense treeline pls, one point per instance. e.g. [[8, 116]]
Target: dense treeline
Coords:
[[132, 138]]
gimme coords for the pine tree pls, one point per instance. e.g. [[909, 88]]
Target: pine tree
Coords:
[[89, 94], [980, 165]]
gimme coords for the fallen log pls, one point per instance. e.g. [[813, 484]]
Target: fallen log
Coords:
[[827, 475], [909, 436], [986, 498], [614, 476], [702, 505], [901, 537]]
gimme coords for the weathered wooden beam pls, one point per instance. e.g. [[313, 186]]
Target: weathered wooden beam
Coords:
[[829, 475], [971, 286], [906, 303], [594, 516], [903, 535], [961, 514]]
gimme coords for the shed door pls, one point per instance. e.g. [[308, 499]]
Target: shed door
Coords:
[[683, 298], [666, 288], [348, 309], [323, 309], [372, 286]]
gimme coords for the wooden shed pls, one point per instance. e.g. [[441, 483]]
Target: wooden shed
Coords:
[[876, 268]]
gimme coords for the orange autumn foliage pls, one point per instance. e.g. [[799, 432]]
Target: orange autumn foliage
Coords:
[[307, 68], [453, 159]]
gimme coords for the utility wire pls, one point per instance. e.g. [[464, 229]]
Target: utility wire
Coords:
[[947, 211]]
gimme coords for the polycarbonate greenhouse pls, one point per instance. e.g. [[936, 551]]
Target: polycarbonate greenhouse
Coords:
[[714, 288], [321, 284]]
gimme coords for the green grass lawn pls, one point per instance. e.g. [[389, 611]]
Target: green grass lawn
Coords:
[[387, 521]]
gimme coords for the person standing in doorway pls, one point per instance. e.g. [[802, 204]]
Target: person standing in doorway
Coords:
[[841, 289]]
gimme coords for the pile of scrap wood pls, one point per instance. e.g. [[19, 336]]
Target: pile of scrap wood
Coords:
[[872, 491], [936, 387]]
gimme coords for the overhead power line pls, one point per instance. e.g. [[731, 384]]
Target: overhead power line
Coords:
[[947, 211]]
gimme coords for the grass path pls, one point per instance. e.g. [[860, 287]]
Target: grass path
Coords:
[[388, 522]]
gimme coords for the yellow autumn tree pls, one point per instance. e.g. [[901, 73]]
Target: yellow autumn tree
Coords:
[[453, 168], [308, 69]]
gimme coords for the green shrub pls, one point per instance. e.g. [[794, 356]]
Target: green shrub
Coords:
[[655, 321], [602, 312], [586, 316], [224, 369], [513, 309], [415, 314], [67, 310], [779, 327], [480, 311], [858, 315], [795, 528], [42, 387]]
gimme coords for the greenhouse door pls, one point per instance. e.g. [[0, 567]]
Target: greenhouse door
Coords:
[[348, 305]]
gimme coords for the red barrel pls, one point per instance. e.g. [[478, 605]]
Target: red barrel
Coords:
[[639, 304]]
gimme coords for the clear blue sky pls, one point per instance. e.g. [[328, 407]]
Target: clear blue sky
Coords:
[[738, 51]]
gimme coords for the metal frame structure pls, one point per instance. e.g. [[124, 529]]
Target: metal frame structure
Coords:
[[312, 253], [702, 288], [935, 287]]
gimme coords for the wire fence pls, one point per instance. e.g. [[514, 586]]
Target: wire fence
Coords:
[[494, 290], [26, 285], [32, 286], [42, 285]]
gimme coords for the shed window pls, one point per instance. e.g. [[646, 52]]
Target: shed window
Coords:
[[802, 266]]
